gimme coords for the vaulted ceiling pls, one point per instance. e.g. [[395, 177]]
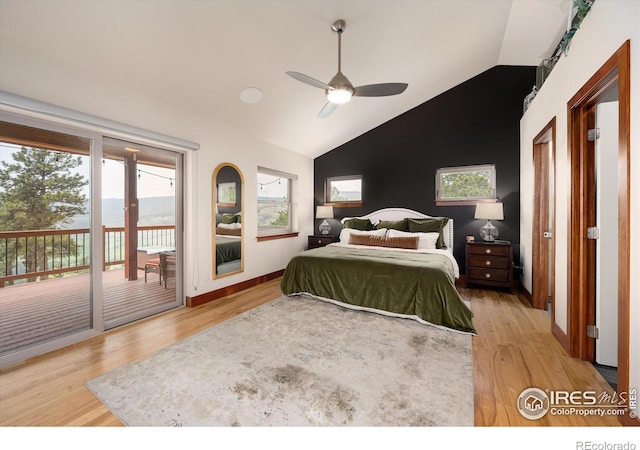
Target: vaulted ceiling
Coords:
[[199, 55]]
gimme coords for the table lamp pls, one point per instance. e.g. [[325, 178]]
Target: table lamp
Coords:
[[489, 211], [324, 212]]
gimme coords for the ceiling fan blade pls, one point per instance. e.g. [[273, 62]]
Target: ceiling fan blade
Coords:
[[380, 90], [308, 80], [327, 110]]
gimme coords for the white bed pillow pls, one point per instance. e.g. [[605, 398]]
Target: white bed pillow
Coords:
[[230, 226], [426, 240], [346, 232]]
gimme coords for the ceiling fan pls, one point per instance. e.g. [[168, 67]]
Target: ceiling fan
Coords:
[[340, 90]]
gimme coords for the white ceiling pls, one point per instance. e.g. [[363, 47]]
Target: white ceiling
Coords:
[[199, 54]]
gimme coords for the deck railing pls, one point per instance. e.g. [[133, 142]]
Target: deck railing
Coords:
[[37, 254]]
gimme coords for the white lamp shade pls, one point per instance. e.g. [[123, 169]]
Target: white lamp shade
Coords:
[[324, 212], [489, 211]]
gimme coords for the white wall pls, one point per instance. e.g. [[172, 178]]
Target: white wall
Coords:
[[607, 26], [28, 76]]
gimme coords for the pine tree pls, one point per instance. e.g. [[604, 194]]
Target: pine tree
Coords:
[[38, 191]]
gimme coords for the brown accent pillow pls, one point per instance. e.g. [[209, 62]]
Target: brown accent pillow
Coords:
[[408, 242], [229, 231], [366, 239]]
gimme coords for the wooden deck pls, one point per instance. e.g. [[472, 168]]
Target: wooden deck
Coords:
[[35, 312]]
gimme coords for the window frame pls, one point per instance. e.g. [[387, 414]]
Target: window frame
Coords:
[[275, 232], [344, 204], [454, 201]]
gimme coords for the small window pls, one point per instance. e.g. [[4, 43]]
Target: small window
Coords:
[[274, 202], [344, 191], [227, 194], [465, 184]]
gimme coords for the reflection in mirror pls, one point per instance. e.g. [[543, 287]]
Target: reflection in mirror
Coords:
[[227, 187]]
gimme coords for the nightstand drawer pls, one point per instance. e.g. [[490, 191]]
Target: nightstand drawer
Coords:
[[320, 241], [489, 262], [477, 274], [490, 249]]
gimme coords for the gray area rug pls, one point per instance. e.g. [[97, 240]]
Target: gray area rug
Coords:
[[298, 361]]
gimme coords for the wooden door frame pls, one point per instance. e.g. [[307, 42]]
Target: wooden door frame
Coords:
[[540, 143], [580, 302]]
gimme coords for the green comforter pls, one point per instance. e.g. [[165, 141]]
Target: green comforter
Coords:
[[406, 283], [227, 249]]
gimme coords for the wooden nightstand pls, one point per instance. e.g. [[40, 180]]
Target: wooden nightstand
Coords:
[[489, 264], [320, 240]]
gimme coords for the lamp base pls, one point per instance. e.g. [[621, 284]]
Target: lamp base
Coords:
[[488, 232], [324, 227]]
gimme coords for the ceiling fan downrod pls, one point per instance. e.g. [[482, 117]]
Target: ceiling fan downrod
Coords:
[[341, 90], [338, 27]]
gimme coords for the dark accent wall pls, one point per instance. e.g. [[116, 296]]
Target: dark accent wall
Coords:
[[228, 174], [476, 122]]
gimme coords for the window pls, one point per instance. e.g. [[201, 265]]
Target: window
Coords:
[[465, 184], [344, 191], [274, 202], [226, 194]]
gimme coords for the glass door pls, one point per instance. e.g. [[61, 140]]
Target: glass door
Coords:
[[45, 237], [71, 267], [141, 190]]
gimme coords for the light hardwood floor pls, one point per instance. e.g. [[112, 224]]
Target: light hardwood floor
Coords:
[[514, 350]]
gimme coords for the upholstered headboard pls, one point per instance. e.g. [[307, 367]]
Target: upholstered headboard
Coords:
[[401, 213]]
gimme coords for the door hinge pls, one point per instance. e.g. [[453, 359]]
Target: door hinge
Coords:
[[593, 332], [593, 233], [593, 134]]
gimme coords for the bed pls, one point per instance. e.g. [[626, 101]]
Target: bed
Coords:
[[228, 242], [390, 271]]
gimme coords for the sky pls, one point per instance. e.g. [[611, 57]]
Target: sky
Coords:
[[152, 181]]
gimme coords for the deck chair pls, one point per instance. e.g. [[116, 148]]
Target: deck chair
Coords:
[[153, 265], [168, 268]]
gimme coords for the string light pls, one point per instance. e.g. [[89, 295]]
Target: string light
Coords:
[[140, 171], [270, 182]]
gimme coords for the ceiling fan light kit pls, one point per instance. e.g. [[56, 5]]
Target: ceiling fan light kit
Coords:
[[340, 90]]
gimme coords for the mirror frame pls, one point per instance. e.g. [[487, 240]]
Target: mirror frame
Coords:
[[214, 204]]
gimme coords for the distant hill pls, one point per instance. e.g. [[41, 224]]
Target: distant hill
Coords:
[[153, 211]]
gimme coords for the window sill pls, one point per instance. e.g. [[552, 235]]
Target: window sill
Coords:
[[464, 202], [344, 204], [271, 237]]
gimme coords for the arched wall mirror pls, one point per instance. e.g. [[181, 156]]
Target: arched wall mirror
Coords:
[[228, 226]]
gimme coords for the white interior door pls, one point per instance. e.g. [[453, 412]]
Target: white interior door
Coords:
[[606, 160]]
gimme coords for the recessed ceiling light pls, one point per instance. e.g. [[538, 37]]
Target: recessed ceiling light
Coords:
[[250, 95]]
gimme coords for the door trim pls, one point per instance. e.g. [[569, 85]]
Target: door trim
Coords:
[[580, 305], [540, 143]]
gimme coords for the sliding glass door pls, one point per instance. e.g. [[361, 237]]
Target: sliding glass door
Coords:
[[71, 267], [45, 236], [141, 189]]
